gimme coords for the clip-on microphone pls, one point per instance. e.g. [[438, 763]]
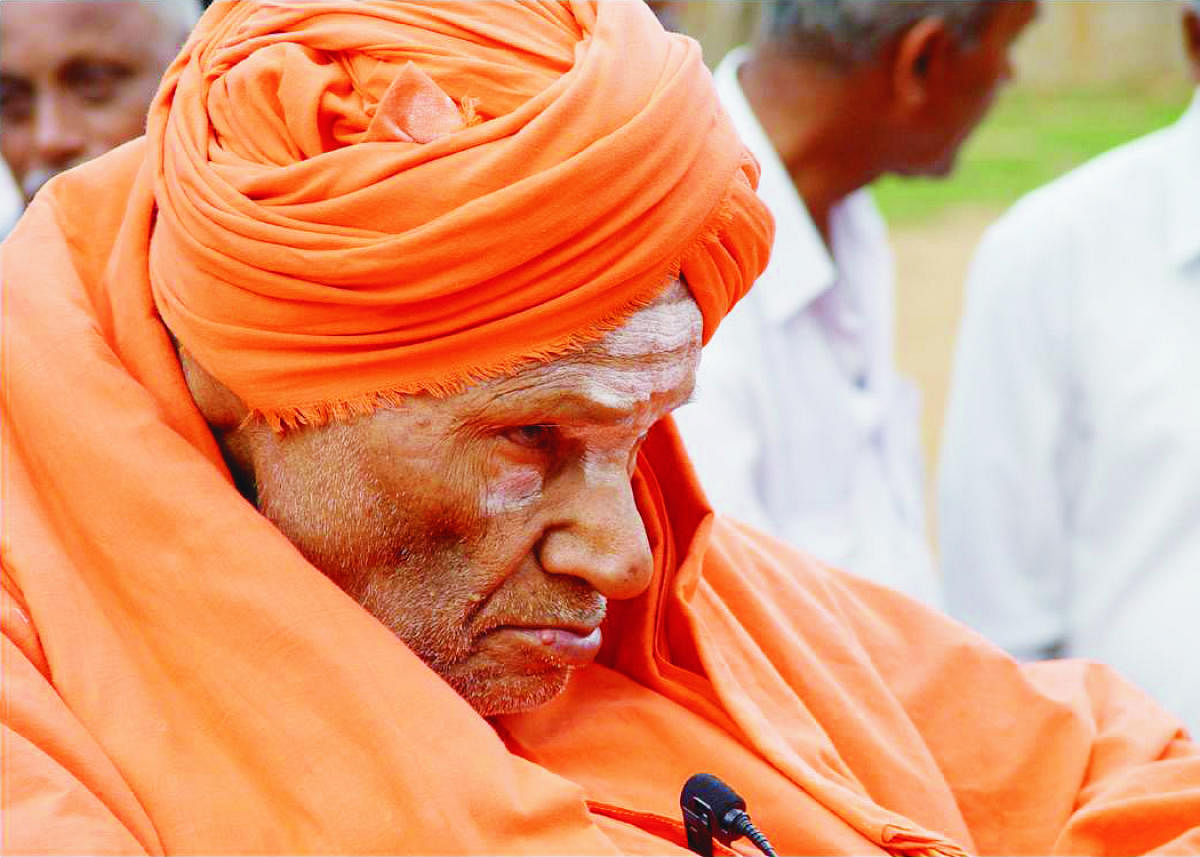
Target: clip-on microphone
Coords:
[[712, 809]]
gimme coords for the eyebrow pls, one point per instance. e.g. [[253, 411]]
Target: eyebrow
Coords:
[[568, 405]]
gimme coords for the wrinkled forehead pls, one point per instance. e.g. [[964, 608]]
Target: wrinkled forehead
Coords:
[[67, 17], [672, 323], [653, 355], [110, 27]]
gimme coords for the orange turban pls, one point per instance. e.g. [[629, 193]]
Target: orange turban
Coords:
[[360, 200]]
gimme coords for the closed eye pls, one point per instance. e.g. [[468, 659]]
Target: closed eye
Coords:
[[539, 437], [95, 80]]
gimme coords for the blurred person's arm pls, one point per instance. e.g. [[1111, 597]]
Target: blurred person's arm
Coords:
[[1006, 454]]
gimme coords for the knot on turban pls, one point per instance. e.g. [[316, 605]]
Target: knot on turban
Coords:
[[362, 200]]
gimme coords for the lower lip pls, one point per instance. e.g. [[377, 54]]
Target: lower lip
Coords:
[[563, 646]]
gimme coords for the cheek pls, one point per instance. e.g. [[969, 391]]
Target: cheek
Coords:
[[14, 146], [329, 510], [121, 118], [511, 489], [107, 126], [992, 76]]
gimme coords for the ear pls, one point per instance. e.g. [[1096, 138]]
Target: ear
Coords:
[[241, 443], [919, 62], [220, 406], [1191, 39]]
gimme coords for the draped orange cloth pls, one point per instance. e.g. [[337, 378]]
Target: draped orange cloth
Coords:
[[318, 164], [178, 679]]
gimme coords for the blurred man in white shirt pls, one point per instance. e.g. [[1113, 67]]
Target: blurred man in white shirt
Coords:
[[1070, 491], [801, 424], [76, 77], [10, 201]]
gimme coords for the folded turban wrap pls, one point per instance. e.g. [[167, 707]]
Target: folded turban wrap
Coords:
[[362, 200]]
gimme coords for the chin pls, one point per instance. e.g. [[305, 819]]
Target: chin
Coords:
[[493, 695], [938, 168], [928, 165], [942, 168]]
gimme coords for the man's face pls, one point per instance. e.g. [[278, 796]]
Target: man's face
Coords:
[[75, 80], [489, 529], [1191, 38], [973, 76]]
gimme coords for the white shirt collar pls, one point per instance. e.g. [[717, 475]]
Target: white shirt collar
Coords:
[[1183, 238], [800, 268]]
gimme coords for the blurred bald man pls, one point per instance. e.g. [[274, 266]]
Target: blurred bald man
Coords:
[[76, 78]]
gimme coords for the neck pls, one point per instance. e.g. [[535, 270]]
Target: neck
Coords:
[[819, 119]]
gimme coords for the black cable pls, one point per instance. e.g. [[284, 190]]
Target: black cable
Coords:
[[742, 825]]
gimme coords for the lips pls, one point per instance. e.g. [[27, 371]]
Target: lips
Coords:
[[571, 647]]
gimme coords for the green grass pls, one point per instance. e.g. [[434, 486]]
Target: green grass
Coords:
[[1030, 138]]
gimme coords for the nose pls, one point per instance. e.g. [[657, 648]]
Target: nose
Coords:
[[598, 535], [58, 137]]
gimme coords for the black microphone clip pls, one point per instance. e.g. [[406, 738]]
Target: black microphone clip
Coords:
[[712, 810]]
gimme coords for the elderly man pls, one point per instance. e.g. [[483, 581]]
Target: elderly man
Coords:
[[1072, 451], [76, 77], [343, 511], [802, 424]]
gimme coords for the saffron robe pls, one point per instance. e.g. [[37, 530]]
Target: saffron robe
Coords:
[[178, 679]]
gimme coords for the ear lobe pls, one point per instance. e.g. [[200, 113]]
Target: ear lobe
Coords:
[[219, 406], [920, 56]]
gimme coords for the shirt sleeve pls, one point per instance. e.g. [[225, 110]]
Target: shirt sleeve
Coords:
[[1007, 442]]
